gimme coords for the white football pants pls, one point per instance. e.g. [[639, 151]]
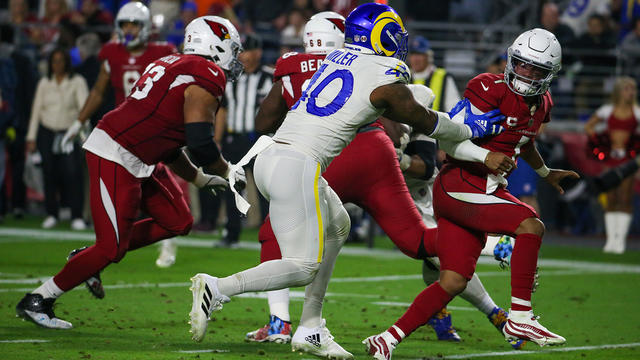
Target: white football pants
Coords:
[[302, 207]]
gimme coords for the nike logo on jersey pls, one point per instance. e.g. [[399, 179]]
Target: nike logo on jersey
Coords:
[[215, 73], [483, 86]]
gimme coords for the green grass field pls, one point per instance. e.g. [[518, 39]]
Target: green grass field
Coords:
[[589, 298]]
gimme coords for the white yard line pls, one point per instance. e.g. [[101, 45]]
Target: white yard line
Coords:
[[406, 304], [203, 351], [24, 341], [550, 350], [7, 235], [32, 280]]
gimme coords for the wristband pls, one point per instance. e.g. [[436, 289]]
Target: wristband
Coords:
[[543, 171]]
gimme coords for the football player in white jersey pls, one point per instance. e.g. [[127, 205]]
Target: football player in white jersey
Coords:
[[352, 88]]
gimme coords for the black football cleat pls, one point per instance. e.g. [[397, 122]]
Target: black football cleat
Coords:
[[94, 283], [35, 308]]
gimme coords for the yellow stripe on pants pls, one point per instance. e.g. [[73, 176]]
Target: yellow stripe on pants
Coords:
[[318, 213]]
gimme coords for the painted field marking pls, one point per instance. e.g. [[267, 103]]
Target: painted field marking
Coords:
[[203, 351], [8, 235], [23, 341], [551, 350], [406, 304]]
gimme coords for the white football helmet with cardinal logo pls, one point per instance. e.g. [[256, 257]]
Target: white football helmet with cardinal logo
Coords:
[[216, 38]]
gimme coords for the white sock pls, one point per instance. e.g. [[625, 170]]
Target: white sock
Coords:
[[624, 222], [279, 303], [49, 289], [611, 228], [476, 295]]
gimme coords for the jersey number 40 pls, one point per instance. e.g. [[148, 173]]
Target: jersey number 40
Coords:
[[311, 92]]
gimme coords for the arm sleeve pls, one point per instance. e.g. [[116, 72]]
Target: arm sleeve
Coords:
[[35, 112], [465, 150], [425, 148]]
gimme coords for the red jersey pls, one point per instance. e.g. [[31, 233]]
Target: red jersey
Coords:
[[125, 69], [150, 122], [294, 70], [521, 123]]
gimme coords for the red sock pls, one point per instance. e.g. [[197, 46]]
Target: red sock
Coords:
[[424, 306], [81, 267], [270, 249], [524, 260]]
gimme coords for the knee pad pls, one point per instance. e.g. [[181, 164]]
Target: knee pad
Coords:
[[339, 227], [307, 271]]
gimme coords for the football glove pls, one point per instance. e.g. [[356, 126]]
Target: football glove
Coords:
[[66, 144], [481, 125], [213, 183]]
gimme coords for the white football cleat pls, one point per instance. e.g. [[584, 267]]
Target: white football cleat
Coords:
[[78, 224], [49, 222], [380, 346], [206, 299], [167, 255], [318, 341], [524, 325]]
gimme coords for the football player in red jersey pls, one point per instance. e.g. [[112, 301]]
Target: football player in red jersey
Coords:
[[123, 61], [370, 158], [172, 105], [521, 94]]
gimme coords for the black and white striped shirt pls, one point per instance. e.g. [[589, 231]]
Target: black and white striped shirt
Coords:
[[243, 98]]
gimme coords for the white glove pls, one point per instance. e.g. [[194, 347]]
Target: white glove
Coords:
[[213, 183], [404, 159], [66, 144]]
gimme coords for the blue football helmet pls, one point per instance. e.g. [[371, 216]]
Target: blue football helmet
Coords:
[[376, 29]]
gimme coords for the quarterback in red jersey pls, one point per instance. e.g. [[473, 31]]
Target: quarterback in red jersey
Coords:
[[466, 192], [171, 105]]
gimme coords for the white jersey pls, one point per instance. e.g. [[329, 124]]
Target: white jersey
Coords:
[[336, 103]]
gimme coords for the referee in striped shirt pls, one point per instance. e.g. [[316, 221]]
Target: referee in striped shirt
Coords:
[[240, 103]]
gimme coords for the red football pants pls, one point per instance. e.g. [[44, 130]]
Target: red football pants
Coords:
[[116, 199], [466, 214]]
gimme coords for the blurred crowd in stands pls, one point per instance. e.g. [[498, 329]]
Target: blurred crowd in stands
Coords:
[[600, 39]]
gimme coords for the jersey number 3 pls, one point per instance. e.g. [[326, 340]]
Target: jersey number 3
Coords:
[[148, 81], [338, 102]]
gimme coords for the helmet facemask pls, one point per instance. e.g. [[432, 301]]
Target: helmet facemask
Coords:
[[523, 85], [129, 40], [235, 67]]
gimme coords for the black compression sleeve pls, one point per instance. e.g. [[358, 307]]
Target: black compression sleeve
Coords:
[[199, 137]]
